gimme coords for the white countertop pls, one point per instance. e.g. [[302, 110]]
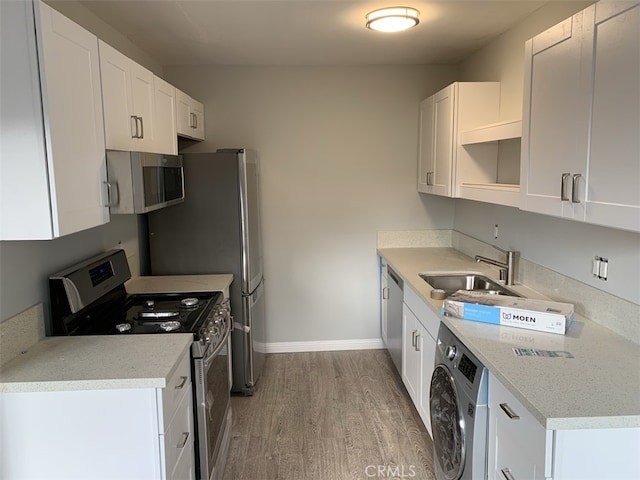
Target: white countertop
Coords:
[[95, 363], [598, 388], [179, 283], [109, 362]]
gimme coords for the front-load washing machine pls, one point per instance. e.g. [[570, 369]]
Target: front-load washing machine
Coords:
[[458, 402]]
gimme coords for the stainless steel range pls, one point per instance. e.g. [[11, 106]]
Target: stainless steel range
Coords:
[[90, 299]]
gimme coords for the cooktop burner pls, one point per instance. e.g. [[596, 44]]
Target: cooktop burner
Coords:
[[90, 299]]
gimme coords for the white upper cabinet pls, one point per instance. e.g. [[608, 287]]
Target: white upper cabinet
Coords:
[[129, 102], [442, 161], [52, 153], [581, 118], [613, 194], [166, 133], [190, 116]]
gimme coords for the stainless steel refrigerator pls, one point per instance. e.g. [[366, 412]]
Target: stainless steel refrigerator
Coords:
[[217, 230]]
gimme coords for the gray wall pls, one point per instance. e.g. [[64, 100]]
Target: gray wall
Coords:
[[562, 245], [338, 149]]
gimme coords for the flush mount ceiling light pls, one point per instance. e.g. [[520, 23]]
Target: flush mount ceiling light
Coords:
[[392, 19]]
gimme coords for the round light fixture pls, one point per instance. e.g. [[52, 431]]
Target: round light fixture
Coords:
[[392, 19]]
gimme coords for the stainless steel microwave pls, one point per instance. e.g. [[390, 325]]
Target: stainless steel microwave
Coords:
[[140, 182]]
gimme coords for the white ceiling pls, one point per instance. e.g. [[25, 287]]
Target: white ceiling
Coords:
[[311, 32]]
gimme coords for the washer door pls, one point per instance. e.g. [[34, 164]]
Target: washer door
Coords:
[[448, 425]]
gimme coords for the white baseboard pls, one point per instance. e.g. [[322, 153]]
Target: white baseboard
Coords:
[[324, 346]]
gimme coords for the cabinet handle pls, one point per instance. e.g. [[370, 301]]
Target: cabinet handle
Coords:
[[413, 338], [195, 120], [185, 437], [141, 128], [113, 197], [181, 385], [418, 343], [134, 122], [429, 178], [506, 473], [385, 293], [574, 188], [510, 413], [563, 187]]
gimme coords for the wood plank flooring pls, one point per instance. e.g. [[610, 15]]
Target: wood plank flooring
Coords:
[[328, 415]]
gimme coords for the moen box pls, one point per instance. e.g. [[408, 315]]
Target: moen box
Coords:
[[528, 313]]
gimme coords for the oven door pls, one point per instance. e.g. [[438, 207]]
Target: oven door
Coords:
[[212, 407]]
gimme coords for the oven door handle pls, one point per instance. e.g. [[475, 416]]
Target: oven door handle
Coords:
[[220, 346]]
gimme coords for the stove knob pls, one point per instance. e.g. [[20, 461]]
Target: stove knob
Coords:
[[150, 303], [450, 352]]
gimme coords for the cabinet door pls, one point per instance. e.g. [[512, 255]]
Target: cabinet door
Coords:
[[120, 126], [197, 110], [165, 126], [384, 298], [444, 117], [425, 146], [183, 113], [517, 442], [428, 350], [613, 192], [142, 92], [556, 120], [72, 102], [411, 353]]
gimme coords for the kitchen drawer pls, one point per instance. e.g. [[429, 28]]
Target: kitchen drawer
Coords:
[[178, 437], [172, 394], [517, 441]]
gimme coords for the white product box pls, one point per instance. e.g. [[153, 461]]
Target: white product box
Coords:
[[528, 313]]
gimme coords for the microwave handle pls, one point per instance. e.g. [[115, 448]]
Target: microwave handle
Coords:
[[113, 195]]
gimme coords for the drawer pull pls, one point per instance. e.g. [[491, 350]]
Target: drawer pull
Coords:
[[185, 437], [182, 383], [510, 413], [506, 473]]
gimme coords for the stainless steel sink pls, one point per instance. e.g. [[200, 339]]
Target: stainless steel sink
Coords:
[[466, 281]]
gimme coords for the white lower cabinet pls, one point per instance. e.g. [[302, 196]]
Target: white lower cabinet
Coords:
[[141, 433], [516, 448], [419, 332], [520, 448]]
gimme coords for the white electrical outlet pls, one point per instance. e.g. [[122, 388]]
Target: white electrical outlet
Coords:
[[600, 268]]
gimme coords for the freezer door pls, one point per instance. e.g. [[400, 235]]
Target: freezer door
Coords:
[[250, 214], [253, 340]]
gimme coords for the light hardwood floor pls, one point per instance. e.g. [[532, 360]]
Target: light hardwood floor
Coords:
[[328, 415]]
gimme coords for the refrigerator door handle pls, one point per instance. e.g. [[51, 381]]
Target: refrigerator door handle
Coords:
[[242, 328]]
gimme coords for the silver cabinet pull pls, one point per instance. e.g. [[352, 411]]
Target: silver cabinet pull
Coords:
[[418, 343], [429, 178], [574, 188], [192, 122], [141, 128], [506, 473], [134, 123], [510, 413], [195, 120], [113, 196], [385, 293], [181, 385], [413, 338], [563, 187], [185, 437]]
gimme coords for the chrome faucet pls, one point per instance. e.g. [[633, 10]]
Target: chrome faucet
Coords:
[[508, 270]]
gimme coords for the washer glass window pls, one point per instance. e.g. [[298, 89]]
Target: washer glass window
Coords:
[[447, 424]]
